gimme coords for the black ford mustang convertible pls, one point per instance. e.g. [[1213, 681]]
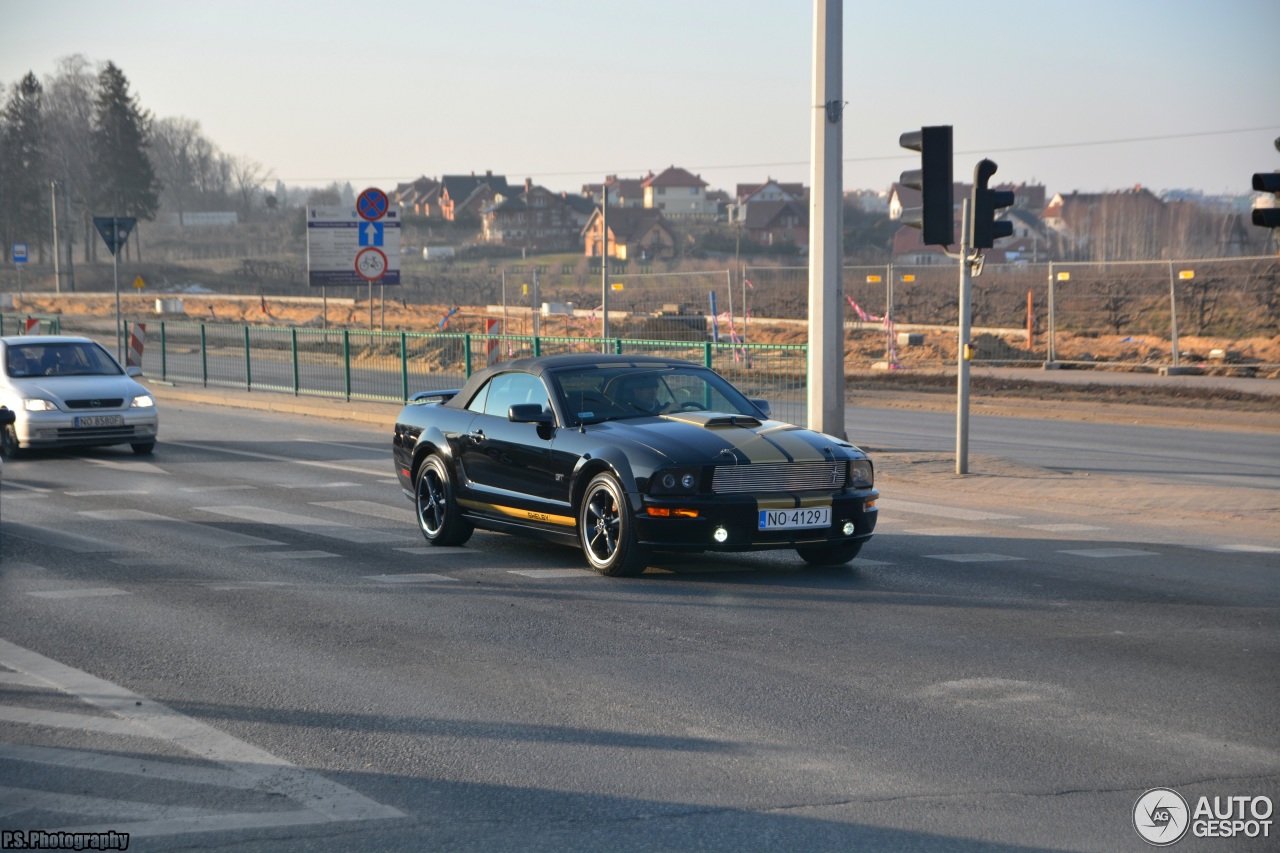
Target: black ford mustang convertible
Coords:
[[624, 456]]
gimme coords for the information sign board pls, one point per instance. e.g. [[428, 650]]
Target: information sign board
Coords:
[[19, 253], [338, 247]]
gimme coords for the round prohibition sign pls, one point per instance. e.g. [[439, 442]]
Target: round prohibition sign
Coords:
[[371, 264], [372, 204]]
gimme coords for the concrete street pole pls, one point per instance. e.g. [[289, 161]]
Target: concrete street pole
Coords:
[[826, 315]]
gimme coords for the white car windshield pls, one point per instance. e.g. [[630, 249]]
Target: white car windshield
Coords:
[[68, 358]]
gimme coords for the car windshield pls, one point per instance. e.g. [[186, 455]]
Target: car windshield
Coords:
[[595, 394], [67, 358]]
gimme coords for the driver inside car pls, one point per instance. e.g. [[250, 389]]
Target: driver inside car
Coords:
[[641, 393]]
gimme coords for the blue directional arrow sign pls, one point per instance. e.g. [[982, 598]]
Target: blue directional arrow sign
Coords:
[[371, 234]]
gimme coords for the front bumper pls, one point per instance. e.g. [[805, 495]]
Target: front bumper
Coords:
[[58, 429], [738, 517]]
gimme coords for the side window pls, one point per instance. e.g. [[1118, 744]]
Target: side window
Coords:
[[510, 389], [477, 402]]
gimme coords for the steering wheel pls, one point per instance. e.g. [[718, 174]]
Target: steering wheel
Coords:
[[691, 407]]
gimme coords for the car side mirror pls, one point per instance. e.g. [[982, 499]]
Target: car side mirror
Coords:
[[763, 405], [529, 413], [133, 370], [7, 416]]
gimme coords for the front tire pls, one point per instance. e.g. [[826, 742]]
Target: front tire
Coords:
[[143, 448], [829, 556], [606, 530], [439, 517], [9, 446]]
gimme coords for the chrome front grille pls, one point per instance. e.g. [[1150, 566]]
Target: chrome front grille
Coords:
[[779, 477]]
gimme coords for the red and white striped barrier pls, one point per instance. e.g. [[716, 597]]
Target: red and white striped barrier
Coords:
[[492, 343], [137, 337], [32, 323]]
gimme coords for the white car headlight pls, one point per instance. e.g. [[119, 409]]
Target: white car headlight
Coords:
[[39, 405], [142, 401]]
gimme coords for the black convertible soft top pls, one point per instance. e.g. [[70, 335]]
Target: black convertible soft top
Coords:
[[544, 363]]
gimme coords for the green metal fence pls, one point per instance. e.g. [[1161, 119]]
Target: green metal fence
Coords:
[[16, 324], [356, 364]]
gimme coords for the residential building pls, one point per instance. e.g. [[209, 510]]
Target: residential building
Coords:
[[637, 233], [535, 218], [470, 194], [623, 192], [678, 194], [772, 223]]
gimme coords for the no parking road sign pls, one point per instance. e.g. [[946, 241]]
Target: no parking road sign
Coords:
[[372, 204]]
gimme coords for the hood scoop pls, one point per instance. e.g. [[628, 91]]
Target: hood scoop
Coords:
[[715, 420]]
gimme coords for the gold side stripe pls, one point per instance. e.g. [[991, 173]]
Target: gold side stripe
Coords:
[[522, 514]]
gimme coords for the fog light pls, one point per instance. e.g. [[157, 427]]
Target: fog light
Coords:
[[848, 528], [721, 535]]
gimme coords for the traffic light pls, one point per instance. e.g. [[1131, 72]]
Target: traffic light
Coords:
[[936, 218], [1267, 182], [984, 228]]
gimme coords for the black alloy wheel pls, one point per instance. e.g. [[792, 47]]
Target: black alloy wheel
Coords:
[[606, 530], [439, 517]]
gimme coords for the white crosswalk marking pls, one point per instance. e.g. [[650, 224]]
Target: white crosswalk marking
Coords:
[[273, 792], [304, 524]]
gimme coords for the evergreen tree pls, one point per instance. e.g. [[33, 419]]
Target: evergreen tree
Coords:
[[24, 175], [125, 180]]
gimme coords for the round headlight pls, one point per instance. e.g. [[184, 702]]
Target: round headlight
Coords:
[[688, 481], [668, 481]]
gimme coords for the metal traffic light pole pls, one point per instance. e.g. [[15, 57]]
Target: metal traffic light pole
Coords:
[[962, 345]]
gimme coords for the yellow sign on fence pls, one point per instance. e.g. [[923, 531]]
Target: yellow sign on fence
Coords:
[[139, 283]]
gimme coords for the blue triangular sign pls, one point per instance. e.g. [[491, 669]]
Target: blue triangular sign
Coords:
[[115, 230]]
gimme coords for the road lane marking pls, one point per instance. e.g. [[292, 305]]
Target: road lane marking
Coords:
[[944, 531], [271, 457], [420, 578], [299, 555], [109, 493], [305, 524], [200, 534], [219, 489], [959, 513], [133, 467], [403, 514], [1062, 528], [1102, 553], [973, 558], [1239, 549], [61, 539], [542, 574], [96, 592]]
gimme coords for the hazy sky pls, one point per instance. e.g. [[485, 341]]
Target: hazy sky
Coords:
[[566, 91]]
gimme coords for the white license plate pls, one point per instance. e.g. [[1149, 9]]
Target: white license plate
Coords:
[[100, 421], [795, 519]]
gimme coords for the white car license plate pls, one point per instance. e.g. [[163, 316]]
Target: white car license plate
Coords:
[[795, 519], [100, 421]]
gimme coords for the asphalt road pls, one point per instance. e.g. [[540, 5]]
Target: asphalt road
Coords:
[[243, 642]]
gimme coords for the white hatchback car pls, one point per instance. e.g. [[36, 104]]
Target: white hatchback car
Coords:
[[69, 391]]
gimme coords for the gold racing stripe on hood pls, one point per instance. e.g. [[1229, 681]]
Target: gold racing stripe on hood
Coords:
[[790, 443], [522, 514], [760, 444]]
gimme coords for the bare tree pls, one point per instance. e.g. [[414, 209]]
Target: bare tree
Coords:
[[69, 106], [247, 176]]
